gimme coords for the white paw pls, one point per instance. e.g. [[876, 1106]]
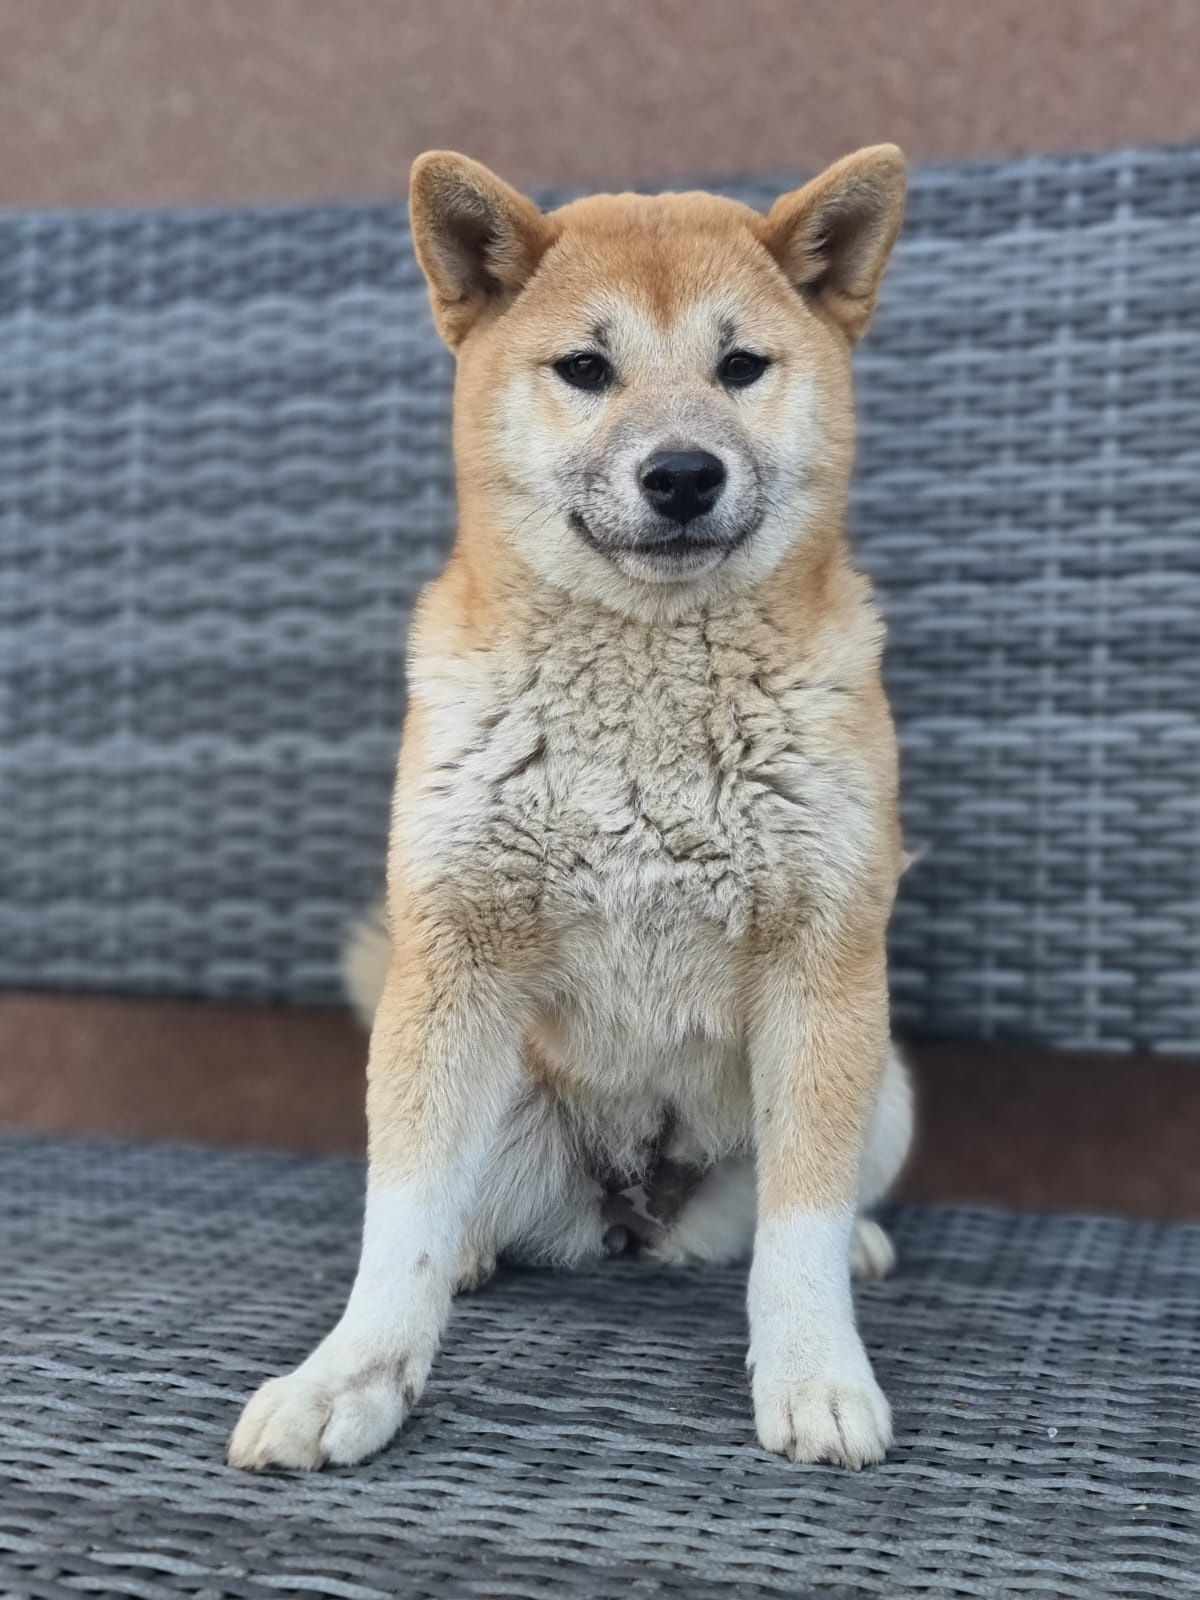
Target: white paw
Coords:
[[476, 1267], [304, 1421], [848, 1424], [872, 1253]]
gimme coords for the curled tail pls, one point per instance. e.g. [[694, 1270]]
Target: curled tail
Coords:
[[366, 956]]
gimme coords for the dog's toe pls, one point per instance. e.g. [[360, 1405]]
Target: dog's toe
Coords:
[[847, 1424], [300, 1423], [872, 1253], [475, 1268]]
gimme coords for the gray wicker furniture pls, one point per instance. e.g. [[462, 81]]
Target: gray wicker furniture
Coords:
[[224, 474], [584, 1436]]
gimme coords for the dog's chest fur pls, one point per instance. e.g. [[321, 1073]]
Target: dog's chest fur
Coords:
[[642, 795]]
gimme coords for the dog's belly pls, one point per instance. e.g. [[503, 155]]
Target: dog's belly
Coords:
[[642, 1000], [643, 1015], [647, 976]]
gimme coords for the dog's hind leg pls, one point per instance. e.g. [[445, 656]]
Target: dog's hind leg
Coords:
[[717, 1223], [537, 1200], [889, 1137]]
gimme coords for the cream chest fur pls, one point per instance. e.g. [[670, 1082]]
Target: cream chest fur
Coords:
[[643, 795]]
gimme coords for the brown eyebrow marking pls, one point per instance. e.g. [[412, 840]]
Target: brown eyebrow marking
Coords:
[[726, 332], [600, 334]]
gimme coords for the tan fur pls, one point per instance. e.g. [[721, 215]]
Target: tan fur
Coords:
[[645, 838]]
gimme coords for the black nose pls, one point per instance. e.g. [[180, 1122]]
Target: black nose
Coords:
[[682, 484]]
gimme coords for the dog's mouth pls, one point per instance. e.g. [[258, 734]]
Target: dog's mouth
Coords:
[[678, 550]]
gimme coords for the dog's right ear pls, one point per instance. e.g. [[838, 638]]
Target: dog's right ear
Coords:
[[477, 240]]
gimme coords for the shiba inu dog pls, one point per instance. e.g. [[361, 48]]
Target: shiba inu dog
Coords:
[[645, 841]]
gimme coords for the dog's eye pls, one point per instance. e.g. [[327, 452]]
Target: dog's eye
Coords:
[[584, 370], [742, 367]]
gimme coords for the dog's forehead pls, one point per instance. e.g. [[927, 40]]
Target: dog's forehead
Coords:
[[683, 260], [598, 214]]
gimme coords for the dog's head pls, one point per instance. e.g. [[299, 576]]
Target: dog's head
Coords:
[[653, 397]]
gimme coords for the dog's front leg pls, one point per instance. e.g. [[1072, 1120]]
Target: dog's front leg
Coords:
[[819, 1040], [442, 1068]]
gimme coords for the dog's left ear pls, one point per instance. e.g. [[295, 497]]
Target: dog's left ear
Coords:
[[477, 239], [833, 237]]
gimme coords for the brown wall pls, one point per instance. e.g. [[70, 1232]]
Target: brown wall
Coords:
[[110, 102]]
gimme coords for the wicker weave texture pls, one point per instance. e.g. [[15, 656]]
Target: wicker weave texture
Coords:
[[224, 474], [581, 1436]]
